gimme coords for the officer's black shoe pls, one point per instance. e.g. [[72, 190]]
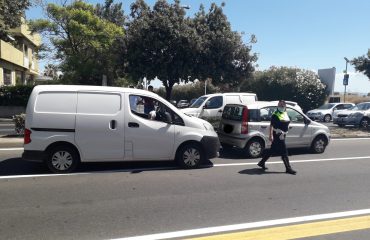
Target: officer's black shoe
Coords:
[[290, 171], [262, 165]]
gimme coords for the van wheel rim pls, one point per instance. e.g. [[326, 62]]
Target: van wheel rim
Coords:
[[62, 160], [255, 149], [364, 123], [320, 145], [191, 157]]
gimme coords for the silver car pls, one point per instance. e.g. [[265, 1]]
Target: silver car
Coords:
[[246, 126], [325, 112], [358, 116]]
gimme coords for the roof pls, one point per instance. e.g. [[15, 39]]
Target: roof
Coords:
[[228, 93]]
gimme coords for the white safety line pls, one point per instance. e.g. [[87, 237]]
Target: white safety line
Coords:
[[244, 226], [11, 149], [348, 139], [173, 168]]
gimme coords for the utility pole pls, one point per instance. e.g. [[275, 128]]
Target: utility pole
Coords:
[[345, 79]]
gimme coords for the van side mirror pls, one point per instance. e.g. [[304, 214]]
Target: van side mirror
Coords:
[[307, 121]]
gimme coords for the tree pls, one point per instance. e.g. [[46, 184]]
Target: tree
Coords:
[[160, 43], [11, 13], [111, 12], [294, 84], [85, 43], [223, 57], [362, 64], [51, 70]]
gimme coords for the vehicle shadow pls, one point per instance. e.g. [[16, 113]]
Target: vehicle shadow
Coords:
[[18, 166], [241, 154], [258, 171]]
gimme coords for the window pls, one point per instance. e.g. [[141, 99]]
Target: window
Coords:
[[266, 113], [7, 77], [144, 106], [347, 106], [295, 117], [56, 102], [214, 102], [339, 107], [98, 103], [233, 113]]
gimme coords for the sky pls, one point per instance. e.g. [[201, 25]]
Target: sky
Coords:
[[308, 34]]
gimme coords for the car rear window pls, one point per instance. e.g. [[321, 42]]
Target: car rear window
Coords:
[[235, 113]]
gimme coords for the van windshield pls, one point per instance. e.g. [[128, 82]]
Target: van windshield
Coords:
[[198, 102]]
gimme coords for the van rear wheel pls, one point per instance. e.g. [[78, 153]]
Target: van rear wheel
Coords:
[[255, 148], [62, 159], [190, 156]]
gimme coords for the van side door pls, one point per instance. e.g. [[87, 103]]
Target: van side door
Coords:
[[99, 126], [213, 107], [148, 136]]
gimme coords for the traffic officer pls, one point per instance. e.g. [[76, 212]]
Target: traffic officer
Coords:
[[278, 130]]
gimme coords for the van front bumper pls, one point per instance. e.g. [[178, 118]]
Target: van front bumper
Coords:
[[211, 146], [34, 156]]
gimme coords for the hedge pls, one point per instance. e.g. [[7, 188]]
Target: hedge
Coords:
[[15, 95]]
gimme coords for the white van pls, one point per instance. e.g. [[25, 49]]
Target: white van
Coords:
[[212, 105], [66, 125]]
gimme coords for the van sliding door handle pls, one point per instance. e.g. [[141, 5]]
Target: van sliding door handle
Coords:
[[113, 124], [220, 111], [133, 125]]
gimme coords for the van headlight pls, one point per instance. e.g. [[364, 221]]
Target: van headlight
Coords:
[[208, 126]]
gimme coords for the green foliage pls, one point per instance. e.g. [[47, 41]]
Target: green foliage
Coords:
[[298, 85], [15, 95], [84, 42], [362, 64], [19, 122], [11, 12], [163, 42]]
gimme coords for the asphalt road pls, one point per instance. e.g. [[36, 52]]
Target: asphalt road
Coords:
[[105, 201]]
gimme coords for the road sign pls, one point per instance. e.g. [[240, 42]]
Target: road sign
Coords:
[[345, 79]]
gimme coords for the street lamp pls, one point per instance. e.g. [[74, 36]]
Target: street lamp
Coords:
[[345, 79]]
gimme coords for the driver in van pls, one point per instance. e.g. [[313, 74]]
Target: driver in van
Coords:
[[278, 129]]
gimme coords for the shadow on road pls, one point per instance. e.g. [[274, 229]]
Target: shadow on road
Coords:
[[241, 154], [258, 171], [18, 166]]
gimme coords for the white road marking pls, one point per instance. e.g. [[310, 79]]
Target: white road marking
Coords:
[[173, 168], [244, 226], [348, 139], [11, 149]]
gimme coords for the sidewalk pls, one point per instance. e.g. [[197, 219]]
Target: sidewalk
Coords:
[[6, 120], [11, 142]]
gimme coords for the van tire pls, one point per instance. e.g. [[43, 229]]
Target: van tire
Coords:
[[62, 159], [255, 148], [319, 144], [190, 156]]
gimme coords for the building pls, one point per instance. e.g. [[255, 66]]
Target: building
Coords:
[[18, 62]]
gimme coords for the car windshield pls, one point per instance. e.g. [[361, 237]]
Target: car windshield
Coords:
[[360, 106], [198, 102], [327, 106]]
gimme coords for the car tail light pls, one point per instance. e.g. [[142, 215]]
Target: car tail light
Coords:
[[27, 136], [244, 128]]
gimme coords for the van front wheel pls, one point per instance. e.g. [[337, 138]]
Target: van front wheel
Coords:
[[190, 156], [62, 159]]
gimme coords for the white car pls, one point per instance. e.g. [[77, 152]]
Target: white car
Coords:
[[246, 126], [212, 105], [66, 125], [326, 111]]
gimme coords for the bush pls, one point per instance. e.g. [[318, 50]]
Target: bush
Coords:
[[15, 95], [294, 84], [19, 121]]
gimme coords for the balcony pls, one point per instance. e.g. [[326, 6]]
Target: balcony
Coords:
[[23, 31], [11, 54]]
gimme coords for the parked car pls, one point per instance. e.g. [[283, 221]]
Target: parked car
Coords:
[[246, 126], [326, 111], [358, 116], [173, 102], [183, 104], [212, 105], [66, 125]]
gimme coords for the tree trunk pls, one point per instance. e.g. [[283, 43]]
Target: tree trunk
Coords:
[[168, 86]]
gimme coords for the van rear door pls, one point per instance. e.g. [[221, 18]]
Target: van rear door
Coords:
[[99, 126]]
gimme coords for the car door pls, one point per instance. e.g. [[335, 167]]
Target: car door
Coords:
[[99, 126], [263, 125], [213, 107], [299, 133], [147, 138]]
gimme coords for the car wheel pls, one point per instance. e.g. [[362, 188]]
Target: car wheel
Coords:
[[62, 159], [327, 118], [318, 145], [364, 123], [190, 156], [255, 148]]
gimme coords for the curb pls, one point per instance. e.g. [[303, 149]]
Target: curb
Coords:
[[6, 120]]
